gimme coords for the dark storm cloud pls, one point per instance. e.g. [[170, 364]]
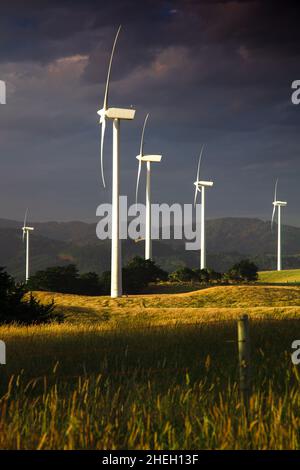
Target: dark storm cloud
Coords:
[[212, 71]]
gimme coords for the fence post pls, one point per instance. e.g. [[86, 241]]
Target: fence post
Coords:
[[2, 352], [244, 357]]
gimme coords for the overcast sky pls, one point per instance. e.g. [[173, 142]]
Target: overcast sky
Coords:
[[209, 72]]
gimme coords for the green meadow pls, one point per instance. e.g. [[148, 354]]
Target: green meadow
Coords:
[[286, 276]]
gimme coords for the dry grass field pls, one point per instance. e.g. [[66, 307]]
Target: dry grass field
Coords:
[[153, 372], [212, 304]]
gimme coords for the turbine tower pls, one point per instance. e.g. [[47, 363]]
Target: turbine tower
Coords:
[[147, 159], [200, 186], [26, 231], [278, 204], [116, 114]]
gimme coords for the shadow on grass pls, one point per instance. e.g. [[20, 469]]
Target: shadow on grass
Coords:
[[84, 314]]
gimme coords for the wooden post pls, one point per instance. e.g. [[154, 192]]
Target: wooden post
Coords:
[[2, 352], [244, 357]]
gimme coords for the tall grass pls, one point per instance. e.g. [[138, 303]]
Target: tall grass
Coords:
[[83, 387]]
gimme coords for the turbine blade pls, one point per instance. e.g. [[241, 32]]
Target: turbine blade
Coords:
[[199, 163], [137, 183], [197, 190], [196, 194], [142, 138], [274, 207], [103, 119], [103, 127], [109, 70], [273, 215], [25, 217], [275, 192], [23, 237]]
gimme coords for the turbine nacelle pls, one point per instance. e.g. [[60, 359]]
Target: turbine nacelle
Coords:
[[146, 158], [207, 184], [279, 203], [116, 113], [26, 229], [149, 158]]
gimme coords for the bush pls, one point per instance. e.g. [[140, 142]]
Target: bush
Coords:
[[14, 308], [245, 270]]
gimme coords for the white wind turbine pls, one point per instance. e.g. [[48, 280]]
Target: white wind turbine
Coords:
[[26, 231], [147, 159], [278, 204], [116, 114], [200, 187]]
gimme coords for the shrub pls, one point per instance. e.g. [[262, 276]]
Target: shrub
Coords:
[[15, 308]]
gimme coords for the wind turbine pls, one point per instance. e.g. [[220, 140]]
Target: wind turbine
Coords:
[[26, 231], [200, 186], [147, 159], [278, 204], [116, 114]]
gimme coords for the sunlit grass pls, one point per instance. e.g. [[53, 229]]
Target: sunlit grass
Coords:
[[215, 303], [153, 372], [285, 276]]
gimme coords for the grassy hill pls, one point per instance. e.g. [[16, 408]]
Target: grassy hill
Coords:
[[212, 304], [278, 277]]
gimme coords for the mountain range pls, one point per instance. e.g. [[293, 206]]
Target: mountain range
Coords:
[[228, 241]]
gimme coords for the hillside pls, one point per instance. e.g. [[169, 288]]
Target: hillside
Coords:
[[228, 241], [278, 277], [212, 304]]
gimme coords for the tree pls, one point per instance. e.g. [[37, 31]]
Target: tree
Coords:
[[105, 282], [89, 284], [55, 279], [15, 308], [139, 273], [66, 279], [202, 275], [245, 270], [214, 276]]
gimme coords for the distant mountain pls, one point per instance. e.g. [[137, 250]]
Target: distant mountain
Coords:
[[252, 236], [228, 240]]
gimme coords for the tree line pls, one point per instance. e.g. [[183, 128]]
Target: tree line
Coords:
[[137, 275]]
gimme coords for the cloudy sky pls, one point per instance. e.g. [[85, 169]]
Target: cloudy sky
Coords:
[[211, 72]]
